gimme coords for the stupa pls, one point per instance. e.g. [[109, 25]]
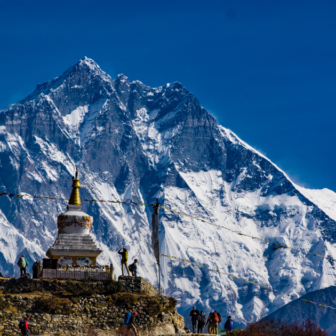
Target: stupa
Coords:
[[74, 244]]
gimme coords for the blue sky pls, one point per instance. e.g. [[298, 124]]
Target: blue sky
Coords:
[[265, 69]]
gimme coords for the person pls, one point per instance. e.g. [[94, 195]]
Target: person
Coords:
[[194, 316], [131, 323], [229, 326], [23, 263], [24, 328], [124, 259], [209, 323], [201, 322], [214, 322], [219, 318], [134, 268], [127, 318]]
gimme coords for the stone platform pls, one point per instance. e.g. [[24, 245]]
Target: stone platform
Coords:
[[73, 245], [137, 285]]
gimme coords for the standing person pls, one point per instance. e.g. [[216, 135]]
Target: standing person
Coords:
[[209, 323], [219, 319], [23, 263], [131, 323], [134, 268], [194, 317], [23, 326], [201, 323], [215, 321], [229, 326], [124, 259]]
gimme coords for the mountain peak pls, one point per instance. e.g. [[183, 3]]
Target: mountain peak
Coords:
[[79, 75], [90, 63], [87, 66]]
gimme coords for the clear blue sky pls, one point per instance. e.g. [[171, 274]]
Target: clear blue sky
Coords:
[[266, 69]]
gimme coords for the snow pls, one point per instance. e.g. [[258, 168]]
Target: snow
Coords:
[[12, 242], [89, 123], [75, 118], [244, 256], [325, 199], [80, 122], [52, 155]]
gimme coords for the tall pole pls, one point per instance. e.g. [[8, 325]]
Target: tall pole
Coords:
[[155, 237], [159, 277]]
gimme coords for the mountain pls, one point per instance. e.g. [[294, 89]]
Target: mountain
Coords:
[[300, 311], [134, 142]]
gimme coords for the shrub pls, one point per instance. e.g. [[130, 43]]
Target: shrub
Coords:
[[270, 328], [53, 305], [172, 303], [128, 299], [113, 287]]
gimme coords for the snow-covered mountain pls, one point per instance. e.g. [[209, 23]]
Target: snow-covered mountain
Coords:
[[299, 311], [131, 141]]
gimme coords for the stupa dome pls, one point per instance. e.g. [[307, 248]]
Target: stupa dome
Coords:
[[74, 220]]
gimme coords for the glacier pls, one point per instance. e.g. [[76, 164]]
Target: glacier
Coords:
[[134, 142]]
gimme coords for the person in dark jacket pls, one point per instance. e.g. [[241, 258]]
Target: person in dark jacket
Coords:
[[134, 268], [209, 323], [194, 317], [229, 326], [124, 259], [131, 323], [201, 323]]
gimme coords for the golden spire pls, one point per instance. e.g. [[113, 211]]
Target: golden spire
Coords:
[[75, 195]]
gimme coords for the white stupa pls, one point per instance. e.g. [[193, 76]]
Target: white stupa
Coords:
[[74, 244]]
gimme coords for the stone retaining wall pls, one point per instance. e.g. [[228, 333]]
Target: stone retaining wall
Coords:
[[102, 306], [100, 311]]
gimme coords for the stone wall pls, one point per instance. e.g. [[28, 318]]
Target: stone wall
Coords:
[[137, 285], [24, 285], [58, 310], [101, 312]]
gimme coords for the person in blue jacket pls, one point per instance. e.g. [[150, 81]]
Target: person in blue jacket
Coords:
[[127, 318], [229, 325]]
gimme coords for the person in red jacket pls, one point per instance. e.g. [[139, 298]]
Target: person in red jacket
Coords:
[[215, 321], [24, 327]]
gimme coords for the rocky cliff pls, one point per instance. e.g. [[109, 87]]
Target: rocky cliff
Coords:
[[134, 142]]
